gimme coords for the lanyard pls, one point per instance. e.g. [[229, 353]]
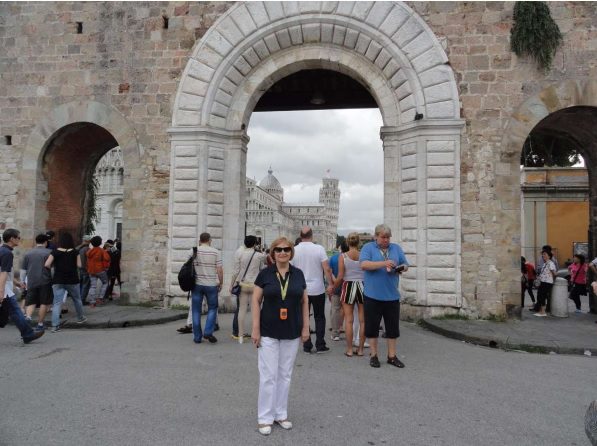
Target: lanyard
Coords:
[[283, 284]]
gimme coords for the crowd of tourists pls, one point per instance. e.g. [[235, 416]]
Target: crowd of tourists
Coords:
[[282, 285], [581, 276], [52, 271]]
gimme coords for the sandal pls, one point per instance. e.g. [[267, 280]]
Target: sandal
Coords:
[[396, 362], [356, 352], [347, 355]]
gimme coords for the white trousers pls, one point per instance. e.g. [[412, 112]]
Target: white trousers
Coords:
[[275, 361]]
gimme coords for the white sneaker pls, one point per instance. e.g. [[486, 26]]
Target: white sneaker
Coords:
[[265, 429], [336, 338], [366, 345], [284, 424]]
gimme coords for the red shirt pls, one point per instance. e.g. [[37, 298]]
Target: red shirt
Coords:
[[581, 276], [530, 268]]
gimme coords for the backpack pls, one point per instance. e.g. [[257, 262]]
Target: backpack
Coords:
[[187, 275]]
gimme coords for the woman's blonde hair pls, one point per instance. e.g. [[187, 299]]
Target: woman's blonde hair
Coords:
[[280, 241], [353, 240]]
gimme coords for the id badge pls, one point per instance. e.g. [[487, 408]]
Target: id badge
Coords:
[[283, 314]]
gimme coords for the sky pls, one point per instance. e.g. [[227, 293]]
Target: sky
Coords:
[[301, 145]]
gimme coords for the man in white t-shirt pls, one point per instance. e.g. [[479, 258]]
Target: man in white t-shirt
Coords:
[[313, 261]]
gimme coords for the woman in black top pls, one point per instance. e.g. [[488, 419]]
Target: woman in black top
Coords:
[[66, 262], [280, 308]]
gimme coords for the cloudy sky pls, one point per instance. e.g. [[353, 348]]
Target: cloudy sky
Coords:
[[301, 145]]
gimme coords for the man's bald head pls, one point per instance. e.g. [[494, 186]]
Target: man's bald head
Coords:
[[306, 233]]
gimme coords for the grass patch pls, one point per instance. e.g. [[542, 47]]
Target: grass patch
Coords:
[[531, 348], [145, 304], [496, 318], [450, 317], [179, 307]]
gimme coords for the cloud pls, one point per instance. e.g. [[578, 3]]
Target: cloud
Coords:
[[301, 146]]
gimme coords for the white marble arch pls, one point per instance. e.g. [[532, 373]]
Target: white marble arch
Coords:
[[386, 47], [31, 209]]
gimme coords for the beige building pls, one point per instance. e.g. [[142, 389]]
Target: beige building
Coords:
[[174, 84]]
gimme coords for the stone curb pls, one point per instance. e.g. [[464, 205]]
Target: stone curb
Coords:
[[120, 323], [500, 342]]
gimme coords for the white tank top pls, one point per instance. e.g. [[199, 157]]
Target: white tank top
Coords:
[[352, 270]]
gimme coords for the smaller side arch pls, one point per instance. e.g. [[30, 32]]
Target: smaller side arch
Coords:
[[31, 211]]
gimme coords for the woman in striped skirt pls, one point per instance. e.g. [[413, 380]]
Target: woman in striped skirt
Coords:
[[350, 275]]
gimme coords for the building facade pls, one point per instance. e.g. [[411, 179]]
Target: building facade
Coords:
[[173, 84], [109, 175], [268, 216], [555, 211]]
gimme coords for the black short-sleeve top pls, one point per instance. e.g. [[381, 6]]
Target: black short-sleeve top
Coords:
[[65, 267], [272, 326]]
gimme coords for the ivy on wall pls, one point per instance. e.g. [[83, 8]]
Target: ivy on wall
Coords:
[[535, 33], [90, 205]]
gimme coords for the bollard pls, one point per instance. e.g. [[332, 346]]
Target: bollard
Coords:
[[559, 298]]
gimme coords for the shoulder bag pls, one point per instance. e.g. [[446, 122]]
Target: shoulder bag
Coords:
[[187, 274], [236, 288]]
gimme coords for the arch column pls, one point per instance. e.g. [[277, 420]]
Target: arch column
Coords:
[[207, 194], [422, 206]]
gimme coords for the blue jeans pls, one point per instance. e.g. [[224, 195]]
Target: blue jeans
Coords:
[[17, 317], [211, 294], [73, 291], [103, 278], [235, 320], [85, 283]]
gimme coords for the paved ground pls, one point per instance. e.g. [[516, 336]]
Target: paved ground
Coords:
[[150, 385], [576, 334]]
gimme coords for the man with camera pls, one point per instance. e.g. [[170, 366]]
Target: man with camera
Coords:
[[383, 262]]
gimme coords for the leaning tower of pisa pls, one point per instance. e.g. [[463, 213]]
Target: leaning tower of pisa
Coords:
[[329, 195]]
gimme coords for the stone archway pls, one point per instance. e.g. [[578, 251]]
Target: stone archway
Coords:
[[32, 213], [386, 47], [551, 101]]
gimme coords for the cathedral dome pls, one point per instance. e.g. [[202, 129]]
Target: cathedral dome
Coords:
[[271, 184]]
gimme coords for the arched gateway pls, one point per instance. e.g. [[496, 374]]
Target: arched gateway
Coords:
[[75, 135], [384, 46]]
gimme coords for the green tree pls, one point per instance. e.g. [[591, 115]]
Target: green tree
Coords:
[[545, 150]]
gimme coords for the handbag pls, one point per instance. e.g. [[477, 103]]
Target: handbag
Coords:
[[236, 288], [537, 280]]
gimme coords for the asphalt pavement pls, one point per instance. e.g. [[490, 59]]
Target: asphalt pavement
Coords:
[[150, 385]]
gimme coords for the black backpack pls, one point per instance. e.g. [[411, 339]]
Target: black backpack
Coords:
[[187, 275]]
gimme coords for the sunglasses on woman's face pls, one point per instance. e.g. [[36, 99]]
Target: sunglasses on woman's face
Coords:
[[279, 249]]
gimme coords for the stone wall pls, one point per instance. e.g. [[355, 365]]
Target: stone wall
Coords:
[[126, 58], [493, 83]]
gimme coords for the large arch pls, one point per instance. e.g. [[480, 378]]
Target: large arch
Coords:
[[386, 47], [32, 214]]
